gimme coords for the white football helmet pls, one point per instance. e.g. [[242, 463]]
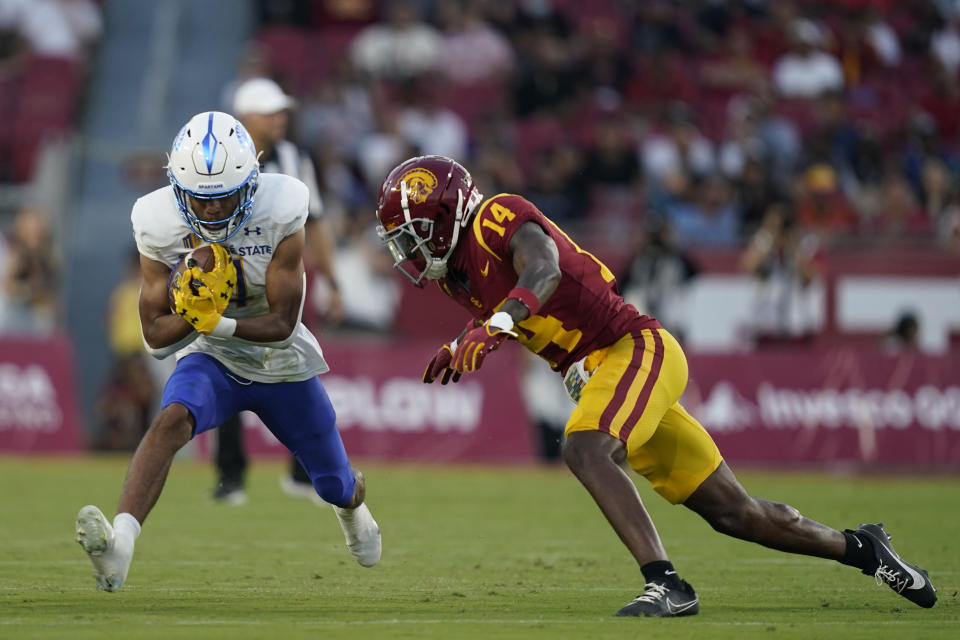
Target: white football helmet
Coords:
[[213, 157]]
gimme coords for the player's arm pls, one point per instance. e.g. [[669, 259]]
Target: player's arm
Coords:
[[536, 260], [285, 290], [537, 263], [164, 332]]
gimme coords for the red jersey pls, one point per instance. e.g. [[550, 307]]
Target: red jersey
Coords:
[[585, 312]]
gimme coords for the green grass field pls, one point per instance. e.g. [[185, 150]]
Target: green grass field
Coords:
[[470, 552]]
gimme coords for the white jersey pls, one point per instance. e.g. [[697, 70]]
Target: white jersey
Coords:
[[279, 209]]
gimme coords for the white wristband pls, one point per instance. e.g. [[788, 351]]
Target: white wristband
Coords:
[[225, 328], [503, 322]]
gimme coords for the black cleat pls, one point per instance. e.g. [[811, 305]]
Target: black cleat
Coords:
[[660, 601], [908, 580]]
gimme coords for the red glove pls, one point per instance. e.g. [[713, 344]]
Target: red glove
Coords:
[[478, 342], [440, 365]]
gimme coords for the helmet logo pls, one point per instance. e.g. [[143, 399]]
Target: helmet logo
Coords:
[[420, 184], [209, 145]]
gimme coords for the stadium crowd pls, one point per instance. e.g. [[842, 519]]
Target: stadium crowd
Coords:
[[45, 49], [782, 130], [778, 131]]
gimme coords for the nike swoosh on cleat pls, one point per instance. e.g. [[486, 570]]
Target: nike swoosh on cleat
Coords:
[[674, 608], [918, 581], [669, 573]]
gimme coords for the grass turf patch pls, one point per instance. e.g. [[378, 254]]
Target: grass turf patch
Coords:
[[469, 552]]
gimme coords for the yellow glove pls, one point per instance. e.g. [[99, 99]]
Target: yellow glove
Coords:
[[200, 310], [222, 279]]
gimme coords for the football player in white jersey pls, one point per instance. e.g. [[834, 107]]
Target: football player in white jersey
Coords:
[[237, 334]]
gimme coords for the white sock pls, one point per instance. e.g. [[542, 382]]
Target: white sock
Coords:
[[344, 512], [127, 526]]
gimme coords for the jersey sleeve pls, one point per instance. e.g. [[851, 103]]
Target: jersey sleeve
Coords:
[[147, 231], [293, 207], [498, 219]]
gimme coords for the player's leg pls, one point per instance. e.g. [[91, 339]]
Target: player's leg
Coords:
[[595, 458], [620, 407], [300, 415], [723, 502], [231, 462], [197, 397], [296, 482]]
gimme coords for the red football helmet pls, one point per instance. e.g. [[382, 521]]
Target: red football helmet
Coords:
[[423, 205]]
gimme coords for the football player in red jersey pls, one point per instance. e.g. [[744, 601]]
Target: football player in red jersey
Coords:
[[521, 277]]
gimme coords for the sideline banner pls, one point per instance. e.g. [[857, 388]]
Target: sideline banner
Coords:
[[782, 407], [837, 405], [385, 411], [38, 411]]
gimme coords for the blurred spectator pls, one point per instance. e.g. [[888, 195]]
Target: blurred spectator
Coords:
[[785, 262], [426, 124], [904, 335], [659, 26], [337, 113], [370, 302], [126, 402], [124, 405], [945, 46], [254, 63], [948, 226], [547, 73], [55, 28], [756, 134], [123, 312], [940, 190], [676, 152], [14, 48], [402, 47], [660, 79], [807, 70], [553, 185], [32, 278], [755, 191], [940, 98], [605, 67], [263, 108], [473, 51], [658, 277], [924, 144], [734, 70], [611, 159], [900, 216], [867, 45], [820, 205], [706, 215], [383, 147]]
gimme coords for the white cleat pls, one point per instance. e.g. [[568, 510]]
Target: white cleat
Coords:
[[109, 554], [361, 533]]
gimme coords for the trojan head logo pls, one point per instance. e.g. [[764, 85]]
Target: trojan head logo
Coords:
[[420, 184]]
